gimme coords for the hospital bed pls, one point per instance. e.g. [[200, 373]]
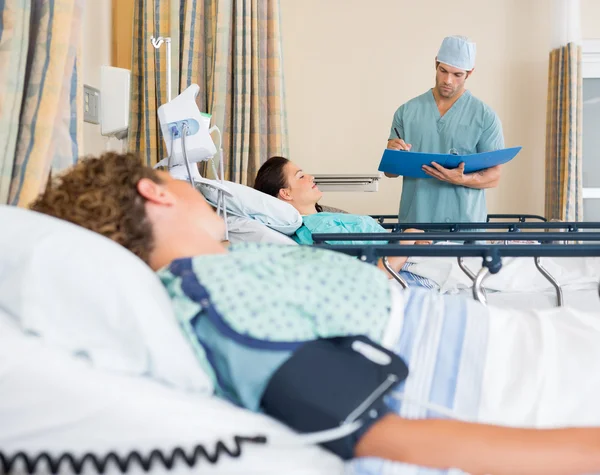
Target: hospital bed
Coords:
[[92, 362], [248, 209], [256, 217], [573, 281], [94, 366]]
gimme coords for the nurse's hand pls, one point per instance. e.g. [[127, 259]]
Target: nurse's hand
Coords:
[[398, 144], [455, 176]]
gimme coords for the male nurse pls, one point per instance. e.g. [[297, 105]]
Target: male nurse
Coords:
[[447, 119]]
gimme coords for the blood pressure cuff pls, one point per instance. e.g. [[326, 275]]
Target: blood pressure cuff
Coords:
[[328, 382]]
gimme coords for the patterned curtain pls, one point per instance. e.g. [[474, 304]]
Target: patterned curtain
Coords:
[[232, 50], [148, 78], [40, 93], [564, 195], [248, 92]]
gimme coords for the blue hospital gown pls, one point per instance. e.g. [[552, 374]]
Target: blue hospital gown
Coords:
[[470, 126], [322, 223], [342, 223]]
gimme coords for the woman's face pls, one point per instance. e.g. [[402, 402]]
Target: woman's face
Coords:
[[301, 190]]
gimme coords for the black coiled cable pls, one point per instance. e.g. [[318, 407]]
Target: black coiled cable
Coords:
[[100, 463]]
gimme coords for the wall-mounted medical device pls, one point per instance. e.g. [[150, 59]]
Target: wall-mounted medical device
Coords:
[[114, 101], [181, 121]]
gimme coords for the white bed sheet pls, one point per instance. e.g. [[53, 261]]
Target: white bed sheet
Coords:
[[586, 300], [541, 368], [519, 284]]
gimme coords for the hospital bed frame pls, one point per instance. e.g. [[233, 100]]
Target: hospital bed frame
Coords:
[[521, 218], [491, 254], [569, 226]]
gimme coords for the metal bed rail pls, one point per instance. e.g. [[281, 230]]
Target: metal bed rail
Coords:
[[465, 236], [380, 218], [491, 254], [521, 218], [568, 226]]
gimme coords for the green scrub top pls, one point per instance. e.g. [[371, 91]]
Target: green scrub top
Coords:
[[469, 126]]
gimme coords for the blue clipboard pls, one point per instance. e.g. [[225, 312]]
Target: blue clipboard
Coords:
[[400, 162]]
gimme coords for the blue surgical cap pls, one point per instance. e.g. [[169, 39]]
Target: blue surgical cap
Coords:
[[458, 52]]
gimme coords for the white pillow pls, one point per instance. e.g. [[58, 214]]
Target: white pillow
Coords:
[[250, 203], [248, 230], [91, 297], [54, 402]]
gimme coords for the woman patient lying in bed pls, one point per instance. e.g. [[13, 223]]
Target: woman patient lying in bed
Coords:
[[231, 303], [283, 179]]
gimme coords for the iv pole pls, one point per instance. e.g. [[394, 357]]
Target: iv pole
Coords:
[[157, 43]]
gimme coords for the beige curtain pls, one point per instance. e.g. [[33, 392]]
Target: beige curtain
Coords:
[[232, 50], [148, 79], [248, 97], [40, 94], [564, 196]]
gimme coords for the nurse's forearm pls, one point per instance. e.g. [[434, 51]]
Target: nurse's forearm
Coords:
[[488, 178], [483, 449]]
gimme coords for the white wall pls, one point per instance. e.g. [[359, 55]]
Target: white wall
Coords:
[[590, 19], [349, 65], [95, 53]]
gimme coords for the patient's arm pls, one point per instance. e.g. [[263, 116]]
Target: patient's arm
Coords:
[[483, 449], [397, 262]]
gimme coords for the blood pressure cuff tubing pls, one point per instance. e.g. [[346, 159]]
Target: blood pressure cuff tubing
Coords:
[[330, 381]]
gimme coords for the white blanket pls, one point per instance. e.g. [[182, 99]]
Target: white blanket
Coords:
[[51, 401], [517, 368], [517, 274], [542, 368], [585, 300]]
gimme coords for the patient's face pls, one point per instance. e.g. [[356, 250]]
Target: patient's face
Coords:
[[193, 208], [301, 186]]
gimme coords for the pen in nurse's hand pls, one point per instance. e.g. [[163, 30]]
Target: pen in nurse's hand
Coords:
[[398, 135]]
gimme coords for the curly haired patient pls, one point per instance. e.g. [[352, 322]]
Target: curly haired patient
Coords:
[[267, 294]]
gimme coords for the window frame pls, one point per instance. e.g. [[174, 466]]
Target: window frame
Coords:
[[590, 68]]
